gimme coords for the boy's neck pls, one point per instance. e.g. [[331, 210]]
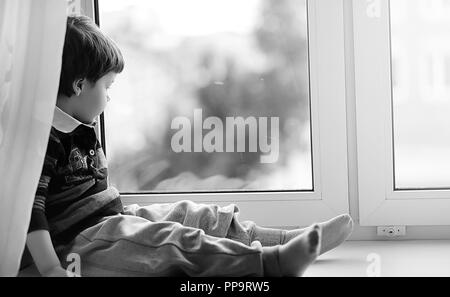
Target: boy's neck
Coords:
[[63, 103]]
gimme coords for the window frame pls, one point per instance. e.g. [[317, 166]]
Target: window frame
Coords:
[[329, 135], [379, 203]]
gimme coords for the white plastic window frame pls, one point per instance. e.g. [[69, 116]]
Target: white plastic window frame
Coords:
[[329, 136], [379, 203]]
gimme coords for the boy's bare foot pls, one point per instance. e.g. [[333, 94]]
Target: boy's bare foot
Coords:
[[334, 232], [296, 255]]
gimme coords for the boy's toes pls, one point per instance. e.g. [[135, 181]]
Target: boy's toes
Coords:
[[344, 220]]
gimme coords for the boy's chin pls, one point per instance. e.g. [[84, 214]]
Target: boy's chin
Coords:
[[90, 121], [94, 120]]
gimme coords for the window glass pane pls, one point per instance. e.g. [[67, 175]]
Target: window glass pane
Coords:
[[420, 36], [195, 70]]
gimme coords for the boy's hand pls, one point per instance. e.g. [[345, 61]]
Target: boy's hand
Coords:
[[56, 272], [59, 272], [41, 248]]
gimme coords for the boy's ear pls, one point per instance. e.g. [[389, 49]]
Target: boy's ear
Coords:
[[78, 86]]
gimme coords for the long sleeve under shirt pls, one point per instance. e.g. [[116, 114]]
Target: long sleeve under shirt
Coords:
[[73, 192]]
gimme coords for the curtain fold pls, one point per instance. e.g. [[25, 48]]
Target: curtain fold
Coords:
[[31, 43]]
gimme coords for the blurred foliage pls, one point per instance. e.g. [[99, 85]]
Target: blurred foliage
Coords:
[[224, 83]]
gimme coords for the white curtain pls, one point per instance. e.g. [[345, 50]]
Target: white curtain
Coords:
[[31, 42]]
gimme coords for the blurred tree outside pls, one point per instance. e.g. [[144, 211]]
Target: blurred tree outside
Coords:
[[264, 74]]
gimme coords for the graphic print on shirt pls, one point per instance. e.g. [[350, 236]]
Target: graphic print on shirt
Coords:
[[77, 166]]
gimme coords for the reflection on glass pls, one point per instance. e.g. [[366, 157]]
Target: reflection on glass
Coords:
[[421, 92], [218, 59]]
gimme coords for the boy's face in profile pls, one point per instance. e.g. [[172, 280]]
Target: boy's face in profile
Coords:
[[92, 98]]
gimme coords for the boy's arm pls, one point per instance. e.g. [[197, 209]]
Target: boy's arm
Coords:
[[39, 242], [41, 248]]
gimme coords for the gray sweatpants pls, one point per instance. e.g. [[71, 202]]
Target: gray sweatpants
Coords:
[[174, 239]]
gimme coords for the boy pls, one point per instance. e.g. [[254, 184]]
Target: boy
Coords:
[[75, 211]]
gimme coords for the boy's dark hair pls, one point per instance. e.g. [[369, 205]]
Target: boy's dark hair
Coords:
[[88, 53]]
